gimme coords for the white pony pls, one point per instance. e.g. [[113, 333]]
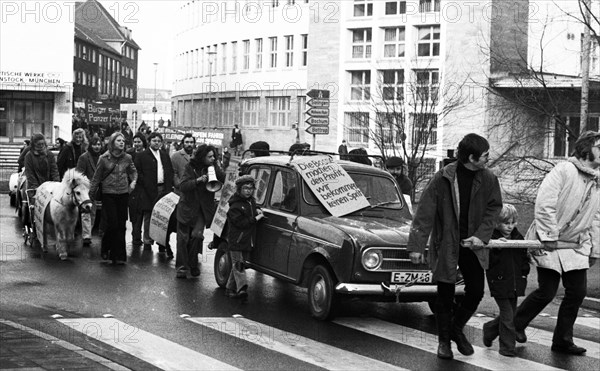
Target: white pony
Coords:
[[68, 198]]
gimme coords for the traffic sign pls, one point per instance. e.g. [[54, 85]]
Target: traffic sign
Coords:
[[318, 121], [316, 93], [318, 112], [318, 103], [317, 130]]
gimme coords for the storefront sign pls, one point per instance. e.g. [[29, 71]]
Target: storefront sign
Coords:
[[32, 80], [159, 220], [214, 138], [102, 113]]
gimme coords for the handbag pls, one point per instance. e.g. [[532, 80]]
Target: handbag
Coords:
[[98, 195]]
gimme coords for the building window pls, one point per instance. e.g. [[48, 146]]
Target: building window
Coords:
[[429, 6], [304, 50], [259, 53], [390, 124], [428, 82], [564, 142], [361, 43], [234, 46], [195, 62], [278, 109], [357, 127], [393, 43], [223, 57], [289, 51], [227, 111], [273, 50], [424, 128], [393, 85], [360, 85], [363, 8], [429, 41], [246, 61], [250, 111], [395, 7]]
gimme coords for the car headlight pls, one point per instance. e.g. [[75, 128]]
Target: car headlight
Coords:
[[372, 259]]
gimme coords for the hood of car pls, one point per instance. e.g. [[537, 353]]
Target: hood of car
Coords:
[[369, 231]]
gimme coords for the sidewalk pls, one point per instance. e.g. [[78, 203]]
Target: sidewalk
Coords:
[[23, 348]]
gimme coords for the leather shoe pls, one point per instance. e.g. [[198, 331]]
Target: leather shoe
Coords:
[[462, 343], [568, 349], [444, 350], [487, 337], [181, 274], [195, 272], [521, 337]]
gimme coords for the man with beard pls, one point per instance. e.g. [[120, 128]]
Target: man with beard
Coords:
[[70, 152], [181, 158]]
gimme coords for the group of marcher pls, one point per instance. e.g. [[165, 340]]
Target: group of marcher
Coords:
[[461, 209]]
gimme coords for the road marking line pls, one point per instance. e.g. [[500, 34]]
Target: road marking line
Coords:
[[543, 337], [153, 349], [486, 358], [293, 345]]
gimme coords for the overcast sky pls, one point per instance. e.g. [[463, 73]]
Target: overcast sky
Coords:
[[152, 24]]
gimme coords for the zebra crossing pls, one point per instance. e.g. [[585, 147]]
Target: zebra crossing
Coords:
[[168, 355]]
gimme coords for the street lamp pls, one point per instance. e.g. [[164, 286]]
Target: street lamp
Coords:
[[154, 107], [211, 59]]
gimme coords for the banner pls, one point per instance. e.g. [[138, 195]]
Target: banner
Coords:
[[159, 220], [227, 191], [43, 196], [331, 184]]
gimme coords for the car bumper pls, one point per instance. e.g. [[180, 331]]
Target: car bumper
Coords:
[[377, 289]]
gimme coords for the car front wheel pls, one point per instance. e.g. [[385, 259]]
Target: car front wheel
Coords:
[[222, 267], [322, 299]]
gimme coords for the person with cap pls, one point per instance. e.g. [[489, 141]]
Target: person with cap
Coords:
[[395, 166], [259, 149], [567, 208], [343, 150], [242, 216]]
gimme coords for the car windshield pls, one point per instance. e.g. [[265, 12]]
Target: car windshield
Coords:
[[380, 191]]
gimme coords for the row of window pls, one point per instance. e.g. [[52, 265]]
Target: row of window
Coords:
[[394, 42], [364, 8], [228, 58], [89, 54], [128, 72], [84, 78], [128, 51], [424, 85]]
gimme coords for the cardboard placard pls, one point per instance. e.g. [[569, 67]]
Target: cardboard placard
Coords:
[[227, 191], [43, 196], [159, 220], [331, 184]]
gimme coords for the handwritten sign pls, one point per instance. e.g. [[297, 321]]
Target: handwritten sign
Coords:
[[331, 184], [43, 196], [159, 220], [227, 191]]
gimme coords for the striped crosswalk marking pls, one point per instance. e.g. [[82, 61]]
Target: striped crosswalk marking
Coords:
[[293, 345], [153, 349], [485, 358], [543, 337]]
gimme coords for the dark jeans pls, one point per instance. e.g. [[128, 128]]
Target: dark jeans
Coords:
[[474, 277], [137, 217], [503, 325], [113, 241], [575, 284], [189, 244]]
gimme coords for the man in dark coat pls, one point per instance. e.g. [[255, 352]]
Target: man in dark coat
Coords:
[[155, 174], [343, 150], [458, 210], [69, 154], [395, 166]]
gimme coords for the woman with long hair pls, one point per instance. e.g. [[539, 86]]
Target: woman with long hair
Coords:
[[118, 176]]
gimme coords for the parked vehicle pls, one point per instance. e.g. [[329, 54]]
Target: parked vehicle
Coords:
[[362, 254]]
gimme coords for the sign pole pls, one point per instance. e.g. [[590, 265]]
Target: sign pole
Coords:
[[314, 144]]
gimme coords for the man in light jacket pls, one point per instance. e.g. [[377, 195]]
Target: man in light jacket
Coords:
[[181, 158], [567, 208]]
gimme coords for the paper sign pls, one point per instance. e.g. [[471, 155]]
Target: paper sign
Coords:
[[331, 184], [221, 214], [43, 196], [159, 220]]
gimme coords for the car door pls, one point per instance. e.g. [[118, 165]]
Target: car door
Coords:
[[275, 232]]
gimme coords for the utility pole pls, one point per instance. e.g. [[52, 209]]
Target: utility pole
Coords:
[[154, 107], [585, 66], [211, 59]]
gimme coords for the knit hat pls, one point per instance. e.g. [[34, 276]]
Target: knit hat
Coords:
[[244, 179], [394, 162]]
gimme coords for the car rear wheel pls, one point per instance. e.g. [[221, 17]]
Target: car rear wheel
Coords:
[[322, 299], [222, 266]]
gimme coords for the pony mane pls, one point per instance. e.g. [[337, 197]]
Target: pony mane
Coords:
[[76, 176]]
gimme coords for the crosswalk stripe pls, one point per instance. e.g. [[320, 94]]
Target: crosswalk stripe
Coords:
[[485, 358], [153, 349], [293, 345], [543, 337], [591, 322]]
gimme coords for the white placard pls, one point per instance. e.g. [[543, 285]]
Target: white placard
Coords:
[[43, 196], [331, 184], [227, 191], [159, 220]]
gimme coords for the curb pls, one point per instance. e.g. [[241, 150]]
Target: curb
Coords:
[[591, 303]]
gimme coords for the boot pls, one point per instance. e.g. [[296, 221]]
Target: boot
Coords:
[[443, 326], [461, 317]]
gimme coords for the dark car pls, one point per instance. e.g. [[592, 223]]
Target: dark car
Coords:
[[362, 254]]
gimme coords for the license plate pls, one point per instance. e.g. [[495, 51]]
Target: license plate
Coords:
[[420, 277]]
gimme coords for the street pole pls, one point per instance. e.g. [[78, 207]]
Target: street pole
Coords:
[[154, 107], [585, 67], [211, 56]]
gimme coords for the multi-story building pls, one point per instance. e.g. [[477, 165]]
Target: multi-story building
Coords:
[[440, 67]]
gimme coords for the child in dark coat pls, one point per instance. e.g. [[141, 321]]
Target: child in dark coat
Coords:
[[507, 278], [242, 217]]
